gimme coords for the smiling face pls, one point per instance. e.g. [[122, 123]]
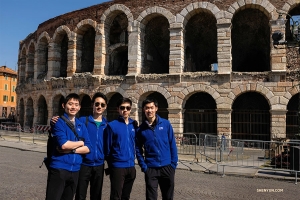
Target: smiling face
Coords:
[[150, 111], [71, 107], [99, 106]]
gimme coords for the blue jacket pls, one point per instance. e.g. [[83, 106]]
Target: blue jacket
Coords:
[[62, 133], [156, 147], [119, 143], [96, 155]]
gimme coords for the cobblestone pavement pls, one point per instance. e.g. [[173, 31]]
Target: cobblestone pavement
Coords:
[[21, 178]]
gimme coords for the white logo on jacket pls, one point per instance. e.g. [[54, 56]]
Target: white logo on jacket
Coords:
[[160, 128]]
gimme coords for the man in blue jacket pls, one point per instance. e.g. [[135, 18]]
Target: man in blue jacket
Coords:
[[120, 152], [67, 156], [92, 168], [156, 152]]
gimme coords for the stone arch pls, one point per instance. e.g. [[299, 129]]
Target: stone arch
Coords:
[[151, 12], [155, 39], [193, 8], [186, 93], [21, 111], [111, 110], [288, 6], [252, 37], [116, 22], [61, 30], [42, 35], [57, 100], [199, 21], [255, 87], [85, 103], [32, 42], [266, 7], [86, 35], [108, 91]]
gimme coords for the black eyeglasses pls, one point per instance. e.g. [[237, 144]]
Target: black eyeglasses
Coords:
[[103, 105], [123, 108]]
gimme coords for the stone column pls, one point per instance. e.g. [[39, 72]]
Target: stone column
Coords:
[[224, 122], [176, 60], [50, 110], [98, 58], [35, 65], [278, 124], [53, 58], [134, 49], [224, 48], [176, 118], [72, 55]]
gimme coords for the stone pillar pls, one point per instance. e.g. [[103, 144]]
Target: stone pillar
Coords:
[[53, 60], [50, 110], [278, 124], [224, 48], [224, 122], [176, 118], [35, 114], [278, 52], [72, 55], [176, 60], [35, 65], [98, 58], [134, 49]]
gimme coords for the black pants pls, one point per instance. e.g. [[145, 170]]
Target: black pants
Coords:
[[121, 181], [94, 176], [164, 177], [61, 184]]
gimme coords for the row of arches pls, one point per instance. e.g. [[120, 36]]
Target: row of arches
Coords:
[[250, 114], [151, 41]]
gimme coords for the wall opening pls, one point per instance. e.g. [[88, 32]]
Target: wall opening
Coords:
[[88, 49], [30, 63], [29, 113], [42, 117], [86, 106], [292, 117], [42, 58], [112, 111]]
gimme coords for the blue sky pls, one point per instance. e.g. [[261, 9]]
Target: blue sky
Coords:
[[18, 18]]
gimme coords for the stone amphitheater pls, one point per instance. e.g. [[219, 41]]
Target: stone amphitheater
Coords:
[[212, 65]]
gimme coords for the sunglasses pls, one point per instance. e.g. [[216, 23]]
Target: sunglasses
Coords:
[[103, 105], [123, 108]]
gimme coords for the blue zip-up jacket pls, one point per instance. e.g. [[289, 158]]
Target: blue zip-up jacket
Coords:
[[156, 147], [119, 143], [96, 155], [62, 133]]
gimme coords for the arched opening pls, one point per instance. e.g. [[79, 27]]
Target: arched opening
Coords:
[[200, 114], [292, 118], [30, 63], [42, 117], [112, 111], [118, 61], [156, 46], [57, 105], [250, 41], [88, 49], [200, 42], [29, 113], [118, 30], [162, 105], [250, 117], [86, 106], [42, 58]]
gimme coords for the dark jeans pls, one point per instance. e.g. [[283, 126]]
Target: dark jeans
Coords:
[[121, 181], [61, 184], [164, 177], [94, 176]]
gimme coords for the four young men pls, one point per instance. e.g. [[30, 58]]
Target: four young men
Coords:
[[118, 142]]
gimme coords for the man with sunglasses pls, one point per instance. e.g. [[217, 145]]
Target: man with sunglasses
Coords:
[[92, 167], [119, 137], [156, 152]]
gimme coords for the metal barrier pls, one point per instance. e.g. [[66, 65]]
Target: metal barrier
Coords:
[[10, 129], [40, 132], [264, 155], [187, 144]]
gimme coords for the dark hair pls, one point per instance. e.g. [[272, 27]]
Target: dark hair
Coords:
[[71, 96], [149, 100], [97, 95], [124, 100]]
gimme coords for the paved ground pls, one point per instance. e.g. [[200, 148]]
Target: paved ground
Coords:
[[21, 178]]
